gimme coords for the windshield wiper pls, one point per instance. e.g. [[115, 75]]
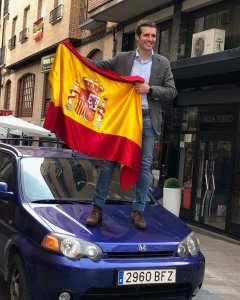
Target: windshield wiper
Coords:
[[59, 201]]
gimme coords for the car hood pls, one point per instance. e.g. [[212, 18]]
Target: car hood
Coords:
[[117, 232]]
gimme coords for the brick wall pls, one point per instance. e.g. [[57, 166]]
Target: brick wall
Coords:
[[52, 34], [93, 4]]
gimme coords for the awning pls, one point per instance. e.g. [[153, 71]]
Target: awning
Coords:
[[21, 127]]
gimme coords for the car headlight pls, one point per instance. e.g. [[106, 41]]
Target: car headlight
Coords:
[[71, 247], [189, 245]]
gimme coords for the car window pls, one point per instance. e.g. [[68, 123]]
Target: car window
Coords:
[[65, 178], [6, 171]]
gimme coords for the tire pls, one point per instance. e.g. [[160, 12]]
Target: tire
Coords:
[[18, 287]]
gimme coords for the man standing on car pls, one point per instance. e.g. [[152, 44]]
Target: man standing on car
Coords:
[[157, 89]]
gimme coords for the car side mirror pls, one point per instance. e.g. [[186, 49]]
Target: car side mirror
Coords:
[[3, 187], [4, 194]]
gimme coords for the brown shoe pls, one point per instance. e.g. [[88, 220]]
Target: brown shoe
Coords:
[[138, 220], [95, 217]]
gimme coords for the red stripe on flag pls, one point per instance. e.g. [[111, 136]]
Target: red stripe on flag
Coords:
[[106, 146]]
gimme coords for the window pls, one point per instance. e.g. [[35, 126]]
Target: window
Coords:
[[23, 35], [14, 22], [96, 54], [165, 38], [57, 13], [7, 95], [129, 42], [84, 11], [41, 9], [25, 17], [222, 15], [165, 43], [6, 171], [26, 96], [6, 7], [2, 56], [12, 41]]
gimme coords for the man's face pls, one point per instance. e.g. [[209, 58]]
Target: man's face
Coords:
[[147, 38]]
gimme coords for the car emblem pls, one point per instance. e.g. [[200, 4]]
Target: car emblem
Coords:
[[142, 247]]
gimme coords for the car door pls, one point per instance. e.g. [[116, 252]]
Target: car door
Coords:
[[7, 176]]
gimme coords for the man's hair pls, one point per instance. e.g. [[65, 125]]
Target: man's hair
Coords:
[[144, 23]]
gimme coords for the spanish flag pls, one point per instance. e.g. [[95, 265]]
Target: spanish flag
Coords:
[[96, 112]]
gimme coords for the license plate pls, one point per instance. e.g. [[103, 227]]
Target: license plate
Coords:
[[128, 277]]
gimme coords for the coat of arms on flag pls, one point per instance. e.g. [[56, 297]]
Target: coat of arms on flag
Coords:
[[87, 101]]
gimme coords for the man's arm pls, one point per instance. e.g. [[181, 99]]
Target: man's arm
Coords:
[[163, 88], [103, 64]]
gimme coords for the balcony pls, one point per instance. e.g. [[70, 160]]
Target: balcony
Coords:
[[90, 24], [12, 42], [56, 14], [23, 35], [85, 22], [119, 11]]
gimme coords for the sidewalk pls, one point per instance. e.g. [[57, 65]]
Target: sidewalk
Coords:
[[222, 273]]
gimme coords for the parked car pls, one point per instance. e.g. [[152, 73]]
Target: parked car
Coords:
[[47, 252]]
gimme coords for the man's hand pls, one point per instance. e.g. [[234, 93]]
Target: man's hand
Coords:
[[142, 88]]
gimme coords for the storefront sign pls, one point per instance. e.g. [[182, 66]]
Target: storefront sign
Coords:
[[224, 119], [5, 112], [46, 63]]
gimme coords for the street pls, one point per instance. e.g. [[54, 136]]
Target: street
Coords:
[[221, 280]]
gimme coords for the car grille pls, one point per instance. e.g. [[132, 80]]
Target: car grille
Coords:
[[139, 254], [140, 292]]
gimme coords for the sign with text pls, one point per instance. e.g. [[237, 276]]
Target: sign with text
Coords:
[[222, 119], [46, 63]]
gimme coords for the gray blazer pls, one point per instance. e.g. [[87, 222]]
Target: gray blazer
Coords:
[[161, 81]]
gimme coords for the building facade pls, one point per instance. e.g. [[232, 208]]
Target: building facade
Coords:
[[200, 142]]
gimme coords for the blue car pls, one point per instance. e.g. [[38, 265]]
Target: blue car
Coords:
[[48, 253]]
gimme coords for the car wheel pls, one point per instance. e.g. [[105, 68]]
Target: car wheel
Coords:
[[18, 283]]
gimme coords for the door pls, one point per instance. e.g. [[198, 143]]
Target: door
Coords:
[[213, 185]]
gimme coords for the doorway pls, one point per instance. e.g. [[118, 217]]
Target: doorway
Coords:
[[213, 180]]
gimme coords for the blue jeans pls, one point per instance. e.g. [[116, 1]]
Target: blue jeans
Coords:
[[142, 186]]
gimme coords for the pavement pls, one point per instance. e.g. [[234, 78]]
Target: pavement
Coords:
[[222, 273]]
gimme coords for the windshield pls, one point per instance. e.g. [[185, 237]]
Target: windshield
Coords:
[[65, 179]]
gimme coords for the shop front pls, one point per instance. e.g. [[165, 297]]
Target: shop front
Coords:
[[209, 166]]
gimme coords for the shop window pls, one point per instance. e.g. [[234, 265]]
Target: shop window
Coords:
[[188, 144], [236, 188], [189, 119]]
